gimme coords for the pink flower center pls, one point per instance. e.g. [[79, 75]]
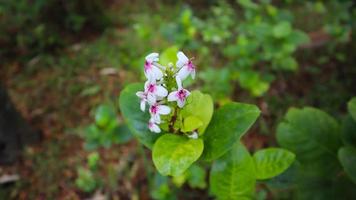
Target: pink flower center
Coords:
[[191, 66], [154, 109], [182, 94], [148, 65], [151, 88]]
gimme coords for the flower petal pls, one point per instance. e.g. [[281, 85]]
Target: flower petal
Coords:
[[151, 99], [193, 74], [164, 110], [173, 96], [152, 57], [183, 72], [140, 94], [179, 83], [161, 91], [182, 59], [143, 105], [156, 73], [181, 103], [155, 128], [194, 135]]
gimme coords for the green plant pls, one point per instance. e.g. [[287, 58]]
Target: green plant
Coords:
[[182, 128], [87, 179], [324, 149], [106, 130]]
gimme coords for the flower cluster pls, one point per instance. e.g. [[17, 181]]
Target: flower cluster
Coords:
[[157, 91]]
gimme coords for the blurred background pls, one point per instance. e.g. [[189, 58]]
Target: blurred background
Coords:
[[63, 64]]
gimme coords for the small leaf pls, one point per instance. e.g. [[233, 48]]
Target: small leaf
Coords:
[[103, 115], [272, 162], [174, 154], [191, 123], [136, 119], [282, 29], [347, 157], [233, 175], [351, 106], [228, 125], [200, 106], [348, 133]]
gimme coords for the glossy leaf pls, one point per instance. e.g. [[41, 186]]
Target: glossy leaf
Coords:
[[347, 157], [200, 106], [174, 154], [227, 126], [351, 106], [272, 162], [134, 117], [233, 175]]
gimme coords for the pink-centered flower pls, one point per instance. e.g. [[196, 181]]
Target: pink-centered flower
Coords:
[[153, 126], [180, 95], [156, 110], [145, 98], [151, 87], [185, 66], [152, 72]]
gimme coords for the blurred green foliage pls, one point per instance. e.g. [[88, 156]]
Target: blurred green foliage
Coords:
[[29, 28]]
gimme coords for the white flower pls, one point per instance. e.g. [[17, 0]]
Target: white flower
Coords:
[[153, 126], [156, 110], [185, 65], [152, 72], [145, 97], [151, 87], [180, 95], [194, 135]]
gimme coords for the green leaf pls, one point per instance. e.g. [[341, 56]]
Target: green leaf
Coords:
[[348, 132], [174, 154], [196, 177], [347, 157], [282, 29], [314, 136], [191, 123], [134, 117], [227, 126], [233, 175], [169, 55], [351, 106], [103, 115], [272, 162], [309, 133], [200, 106]]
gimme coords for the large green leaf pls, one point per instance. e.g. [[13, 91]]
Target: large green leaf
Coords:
[[272, 162], [227, 126], [309, 133], [347, 157], [314, 137], [351, 106], [174, 154], [233, 175], [136, 119], [200, 106]]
